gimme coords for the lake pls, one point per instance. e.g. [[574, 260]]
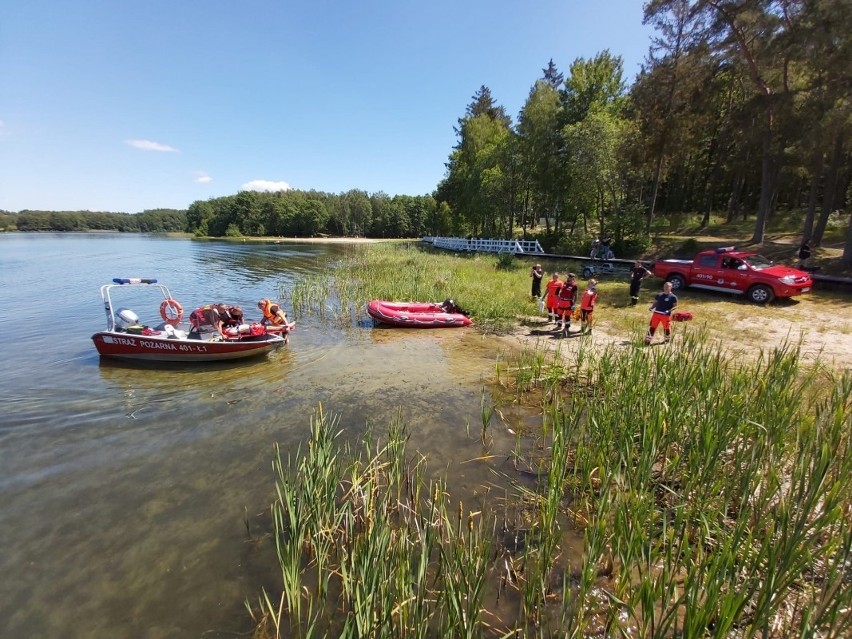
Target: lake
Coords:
[[126, 490]]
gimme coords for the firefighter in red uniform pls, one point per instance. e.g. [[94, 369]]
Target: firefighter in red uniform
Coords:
[[567, 299], [587, 306], [661, 313]]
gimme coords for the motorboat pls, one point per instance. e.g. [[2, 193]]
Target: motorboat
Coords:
[[166, 339], [418, 314]]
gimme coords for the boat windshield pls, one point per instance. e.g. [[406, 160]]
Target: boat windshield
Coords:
[[758, 262]]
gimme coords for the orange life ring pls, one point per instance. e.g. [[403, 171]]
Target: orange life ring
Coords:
[[171, 311]]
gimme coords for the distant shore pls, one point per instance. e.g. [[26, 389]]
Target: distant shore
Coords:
[[299, 240]]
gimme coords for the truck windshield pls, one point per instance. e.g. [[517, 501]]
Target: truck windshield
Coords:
[[758, 262]]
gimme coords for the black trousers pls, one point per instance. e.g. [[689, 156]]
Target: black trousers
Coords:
[[634, 291]]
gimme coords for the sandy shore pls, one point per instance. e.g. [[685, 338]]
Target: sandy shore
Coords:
[[823, 332]]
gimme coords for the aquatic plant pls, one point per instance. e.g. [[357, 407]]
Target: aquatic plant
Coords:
[[713, 496]]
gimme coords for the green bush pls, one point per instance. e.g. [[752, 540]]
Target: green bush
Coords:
[[506, 262], [689, 248], [578, 244], [632, 247]]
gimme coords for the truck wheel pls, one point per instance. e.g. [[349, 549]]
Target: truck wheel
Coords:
[[760, 294], [587, 272], [677, 281]]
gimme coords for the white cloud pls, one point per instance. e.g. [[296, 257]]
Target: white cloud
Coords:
[[147, 145], [202, 178], [265, 185]]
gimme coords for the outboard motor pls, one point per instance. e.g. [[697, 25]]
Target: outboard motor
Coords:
[[125, 318]]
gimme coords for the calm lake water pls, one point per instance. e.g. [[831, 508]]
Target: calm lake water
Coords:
[[124, 490]]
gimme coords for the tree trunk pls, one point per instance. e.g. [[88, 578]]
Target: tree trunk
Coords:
[[847, 247], [816, 177], [830, 186], [657, 172], [768, 184], [708, 181], [736, 195]]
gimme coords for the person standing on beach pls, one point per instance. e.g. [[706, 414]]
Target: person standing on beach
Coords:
[[804, 254], [661, 313], [552, 298], [536, 274], [637, 274], [587, 306], [567, 299]]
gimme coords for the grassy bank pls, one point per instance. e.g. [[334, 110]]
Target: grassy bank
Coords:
[[495, 291], [715, 498], [713, 493], [483, 285]]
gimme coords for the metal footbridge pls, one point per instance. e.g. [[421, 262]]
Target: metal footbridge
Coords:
[[519, 247]]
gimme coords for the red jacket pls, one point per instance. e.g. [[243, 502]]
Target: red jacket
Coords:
[[552, 289], [590, 296]]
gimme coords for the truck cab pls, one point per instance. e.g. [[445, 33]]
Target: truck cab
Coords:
[[728, 270]]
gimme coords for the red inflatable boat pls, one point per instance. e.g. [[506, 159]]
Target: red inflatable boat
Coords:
[[417, 314]]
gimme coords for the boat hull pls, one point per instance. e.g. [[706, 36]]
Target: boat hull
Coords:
[[415, 315], [127, 346]]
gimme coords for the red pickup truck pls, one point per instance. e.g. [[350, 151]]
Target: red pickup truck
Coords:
[[732, 271]]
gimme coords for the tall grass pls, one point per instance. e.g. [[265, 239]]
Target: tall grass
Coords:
[[493, 295], [714, 498], [713, 495], [367, 548], [717, 495]]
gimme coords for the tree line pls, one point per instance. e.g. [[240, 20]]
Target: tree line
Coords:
[[742, 107], [149, 221], [296, 213]]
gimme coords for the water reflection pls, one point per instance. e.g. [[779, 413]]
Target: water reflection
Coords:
[[125, 487]]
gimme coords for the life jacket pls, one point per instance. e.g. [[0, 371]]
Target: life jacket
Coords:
[[266, 308], [204, 315], [589, 297], [552, 289], [568, 292]]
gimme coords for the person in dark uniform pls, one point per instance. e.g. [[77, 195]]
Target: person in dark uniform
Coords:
[[637, 274], [536, 274], [804, 254], [231, 316], [661, 313]]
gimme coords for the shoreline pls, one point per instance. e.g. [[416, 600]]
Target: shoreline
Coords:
[[312, 240]]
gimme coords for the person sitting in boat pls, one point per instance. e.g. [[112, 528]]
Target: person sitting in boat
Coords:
[[208, 316]]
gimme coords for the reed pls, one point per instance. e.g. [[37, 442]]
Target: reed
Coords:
[[364, 539], [486, 412], [714, 495], [412, 273]]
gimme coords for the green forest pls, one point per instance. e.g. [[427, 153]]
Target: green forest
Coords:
[[742, 110], [151, 221]]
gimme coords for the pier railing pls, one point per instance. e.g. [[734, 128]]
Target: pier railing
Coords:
[[485, 246]]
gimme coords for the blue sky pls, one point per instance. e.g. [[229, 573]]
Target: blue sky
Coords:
[[108, 105]]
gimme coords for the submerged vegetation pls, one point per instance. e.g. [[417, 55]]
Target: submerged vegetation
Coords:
[[714, 498], [713, 495], [407, 272]]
